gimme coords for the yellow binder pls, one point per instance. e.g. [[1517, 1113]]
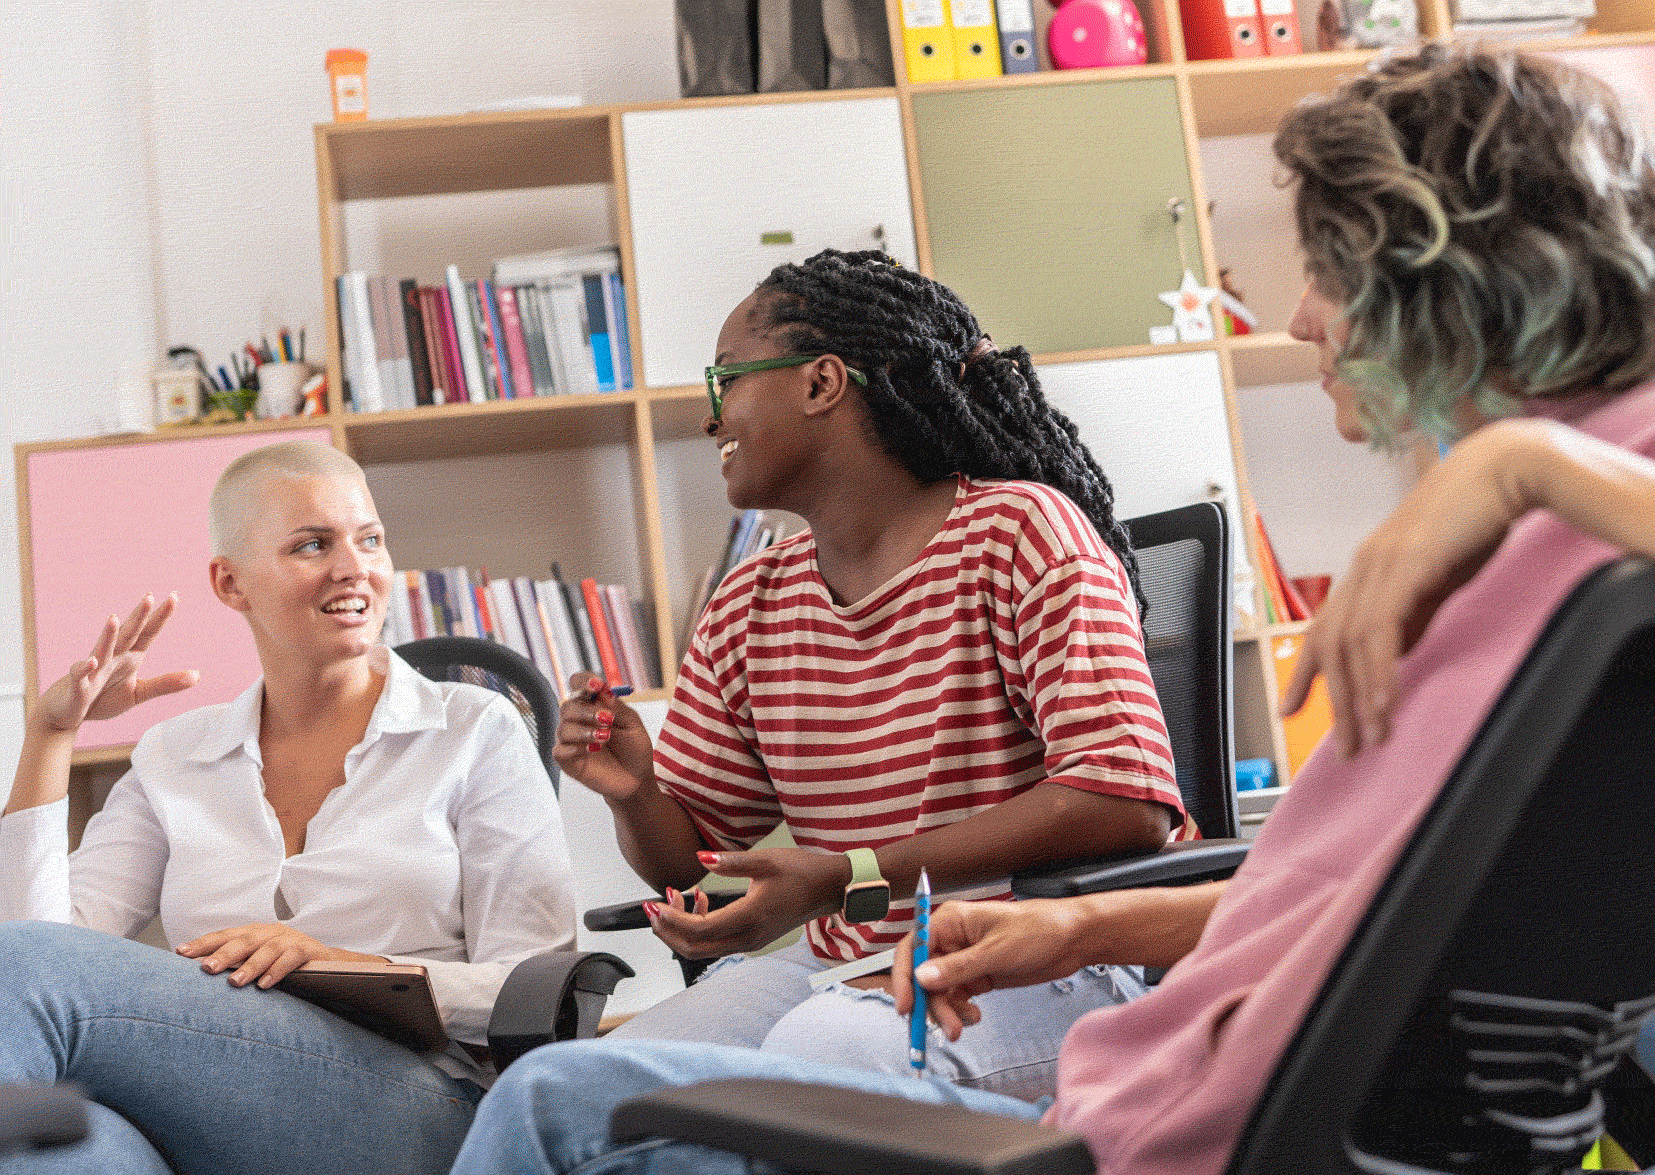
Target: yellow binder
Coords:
[[927, 40], [976, 38]]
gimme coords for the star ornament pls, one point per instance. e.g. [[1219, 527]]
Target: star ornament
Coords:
[[1192, 314]]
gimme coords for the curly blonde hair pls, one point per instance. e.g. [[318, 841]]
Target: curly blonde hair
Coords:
[[1487, 221]]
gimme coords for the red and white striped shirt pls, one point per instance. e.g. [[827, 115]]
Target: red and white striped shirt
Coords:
[[1007, 655]]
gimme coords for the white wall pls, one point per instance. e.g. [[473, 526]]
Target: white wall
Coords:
[[157, 187]]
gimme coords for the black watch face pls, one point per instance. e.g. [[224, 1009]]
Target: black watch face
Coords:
[[867, 903]]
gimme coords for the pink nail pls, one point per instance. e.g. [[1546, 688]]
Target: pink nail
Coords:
[[707, 859], [652, 911]]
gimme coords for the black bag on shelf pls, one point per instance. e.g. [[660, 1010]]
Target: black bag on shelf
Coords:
[[715, 47], [858, 44], [792, 50]]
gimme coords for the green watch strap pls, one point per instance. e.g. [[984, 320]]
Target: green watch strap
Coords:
[[864, 866]]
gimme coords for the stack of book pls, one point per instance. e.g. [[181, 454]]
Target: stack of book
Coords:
[[563, 628], [750, 532], [545, 324], [1520, 20]]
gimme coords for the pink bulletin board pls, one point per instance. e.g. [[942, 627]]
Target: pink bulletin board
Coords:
[[1629, 69], [111, 522]]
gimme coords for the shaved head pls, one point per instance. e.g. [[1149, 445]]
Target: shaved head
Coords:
[[236, 496]]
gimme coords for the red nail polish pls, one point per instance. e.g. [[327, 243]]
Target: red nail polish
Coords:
[[707, 859], [652, 911], [672, 894], [594, 747], [605, 718]]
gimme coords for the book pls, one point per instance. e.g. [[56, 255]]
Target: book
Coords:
[[1315, 718], [597, 330], [556, 610], [459, 390], [620, 342], [568, 307], [466, 338], [534, 340], [601, 639], [392, 999], [534, 631], [413, 322], [438, 373], [350, 360], [399, 617], [487, 361], [576, 606], [385, 359], [517, 349], [643, 612], [625, 627], [370, 394], [504, 378]]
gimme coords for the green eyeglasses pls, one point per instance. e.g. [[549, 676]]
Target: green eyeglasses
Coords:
[[719, 371]]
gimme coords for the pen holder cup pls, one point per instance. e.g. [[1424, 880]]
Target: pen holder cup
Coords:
[[280, 386], [348, 83]]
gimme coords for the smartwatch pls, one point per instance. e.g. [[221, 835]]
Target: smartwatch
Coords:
[[868, 896]]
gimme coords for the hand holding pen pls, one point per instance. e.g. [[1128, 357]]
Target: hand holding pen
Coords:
[[601, 741]]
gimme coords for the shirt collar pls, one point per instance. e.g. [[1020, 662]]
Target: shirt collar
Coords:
[[408, 703]]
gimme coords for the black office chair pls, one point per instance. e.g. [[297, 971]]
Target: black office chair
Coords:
[[1184, 567], [495, 667], [40, 1116], [1490, 1036], [559, 995]]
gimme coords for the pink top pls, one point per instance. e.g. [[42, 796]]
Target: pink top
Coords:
[[1167, 1083]]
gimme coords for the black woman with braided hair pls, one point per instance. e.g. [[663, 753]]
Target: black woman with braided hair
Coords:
[[945, 671]]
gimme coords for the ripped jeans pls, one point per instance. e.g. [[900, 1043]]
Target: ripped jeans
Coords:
[[766, 1003]]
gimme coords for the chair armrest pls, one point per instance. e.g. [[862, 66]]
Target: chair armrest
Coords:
[[40, 1115], [1184, 862], [847, 1132], [631, 916], [558, 995]]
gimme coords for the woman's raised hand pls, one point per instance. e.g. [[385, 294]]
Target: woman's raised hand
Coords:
[[601, 741], [107, 684]]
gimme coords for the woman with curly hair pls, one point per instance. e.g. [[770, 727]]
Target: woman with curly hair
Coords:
[[1479, 230], [946, 671]]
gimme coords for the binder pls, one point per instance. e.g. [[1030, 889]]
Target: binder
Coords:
[[1280, 20], [1314, 719], [1221, 28], [976, 38], [715, 47], [1017, 51], [927, 40]]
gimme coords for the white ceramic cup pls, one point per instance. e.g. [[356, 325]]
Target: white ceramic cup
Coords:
[[279, 387]]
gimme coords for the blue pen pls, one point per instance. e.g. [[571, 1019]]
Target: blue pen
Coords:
[[922, 952]]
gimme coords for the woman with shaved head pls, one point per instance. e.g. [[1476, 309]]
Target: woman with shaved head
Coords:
[[342, 808]]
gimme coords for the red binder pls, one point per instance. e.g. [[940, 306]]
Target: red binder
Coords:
[[1221, 28], [1280, 20]]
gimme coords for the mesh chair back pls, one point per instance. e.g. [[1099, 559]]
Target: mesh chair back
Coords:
[[1184, 567], [1529, 879], [493, 666]]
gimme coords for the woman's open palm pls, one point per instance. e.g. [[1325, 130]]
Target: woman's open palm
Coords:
[[107, 684]]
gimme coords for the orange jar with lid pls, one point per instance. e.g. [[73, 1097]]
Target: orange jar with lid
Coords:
[[348, 75]]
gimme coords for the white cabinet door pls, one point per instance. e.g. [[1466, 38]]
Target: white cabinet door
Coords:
[[719, 196], [1158, 427]]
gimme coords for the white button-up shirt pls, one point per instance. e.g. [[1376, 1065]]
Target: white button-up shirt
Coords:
[[444, 846]]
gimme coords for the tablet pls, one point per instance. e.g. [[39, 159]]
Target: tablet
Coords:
[[392, 999], [855, 969]]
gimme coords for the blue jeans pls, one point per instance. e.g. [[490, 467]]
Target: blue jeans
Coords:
[[767, 1003], [191, 1073], [550, 1111]]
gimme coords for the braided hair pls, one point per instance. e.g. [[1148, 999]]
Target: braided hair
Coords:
[[938, 400]]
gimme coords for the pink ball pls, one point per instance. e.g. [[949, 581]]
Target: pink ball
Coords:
[[1089, 33]]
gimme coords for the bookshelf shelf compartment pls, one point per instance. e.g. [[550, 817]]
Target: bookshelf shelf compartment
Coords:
[[514, 426]]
